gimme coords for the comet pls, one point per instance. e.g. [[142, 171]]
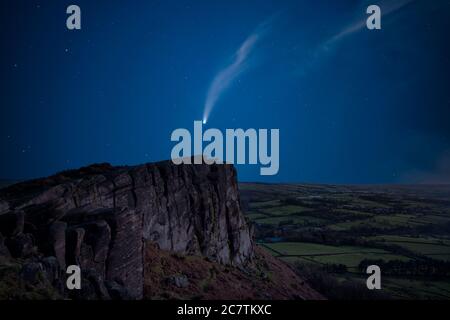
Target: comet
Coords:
[[240, 61]]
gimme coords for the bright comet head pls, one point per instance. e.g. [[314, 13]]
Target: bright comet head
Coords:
[[204, 121]]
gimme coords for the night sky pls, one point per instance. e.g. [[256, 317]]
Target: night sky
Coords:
[[352, 105]]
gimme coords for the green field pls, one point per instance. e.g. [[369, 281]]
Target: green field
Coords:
[[430, 247], [324, 254], [283, 210], [264, 204], [299, 248], [417, 289], [330, 225], [290, 219]]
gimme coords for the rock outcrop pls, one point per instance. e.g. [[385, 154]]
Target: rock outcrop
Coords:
[[100, 217]]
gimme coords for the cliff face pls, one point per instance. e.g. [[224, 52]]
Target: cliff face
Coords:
[[100, 218]]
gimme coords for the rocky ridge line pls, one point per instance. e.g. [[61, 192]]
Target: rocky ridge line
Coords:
[[99, 217]]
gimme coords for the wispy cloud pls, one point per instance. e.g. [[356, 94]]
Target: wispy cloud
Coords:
[[387, 7], [326, 47], [440, 174], [241, 60]]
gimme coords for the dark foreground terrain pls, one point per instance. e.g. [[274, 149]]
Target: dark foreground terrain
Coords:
[[159, 231], [331, 233], [154, 231]]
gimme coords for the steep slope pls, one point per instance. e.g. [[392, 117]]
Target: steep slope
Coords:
[[174, 276]]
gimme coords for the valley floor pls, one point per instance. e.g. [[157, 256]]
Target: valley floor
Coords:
[[336, 231]]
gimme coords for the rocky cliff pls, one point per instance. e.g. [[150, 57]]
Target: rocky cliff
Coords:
[[100, 218]]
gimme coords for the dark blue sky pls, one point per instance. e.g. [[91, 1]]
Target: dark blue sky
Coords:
[[352, 105]]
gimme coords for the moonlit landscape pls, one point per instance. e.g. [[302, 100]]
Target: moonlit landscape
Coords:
[[256, 150]]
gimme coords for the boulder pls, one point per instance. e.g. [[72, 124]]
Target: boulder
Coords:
[[180, 281], [21, 246], [117, 291]]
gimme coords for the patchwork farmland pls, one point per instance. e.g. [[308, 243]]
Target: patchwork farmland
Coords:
[[337, 231]]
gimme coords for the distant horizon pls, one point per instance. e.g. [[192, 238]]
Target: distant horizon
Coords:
[[17, 180]]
